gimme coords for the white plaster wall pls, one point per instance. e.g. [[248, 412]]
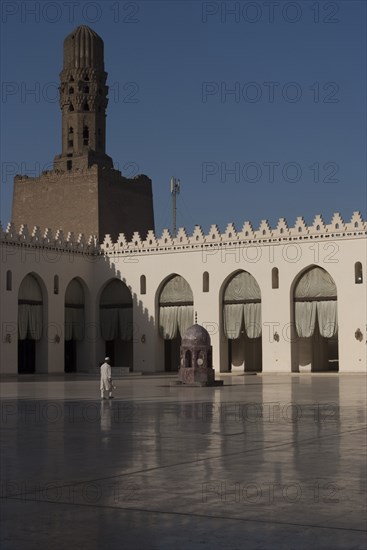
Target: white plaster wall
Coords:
[[337, 256], [44, 264]]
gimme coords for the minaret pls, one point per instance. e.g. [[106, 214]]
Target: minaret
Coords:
[[84, 193], [83, 102]]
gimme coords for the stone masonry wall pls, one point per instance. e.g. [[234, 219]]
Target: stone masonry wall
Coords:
[[94, 201], [67, 201]]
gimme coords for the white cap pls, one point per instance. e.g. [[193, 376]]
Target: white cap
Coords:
[[107, 359]]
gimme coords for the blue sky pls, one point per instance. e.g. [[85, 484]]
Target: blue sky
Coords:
[[259, 109]]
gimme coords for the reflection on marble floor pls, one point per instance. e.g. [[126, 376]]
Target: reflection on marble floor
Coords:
[[262, 462]]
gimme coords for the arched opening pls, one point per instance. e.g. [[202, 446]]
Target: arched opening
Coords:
[[242, 322], [9, 280], [74, 324], [188, 359], [86, 90], [56, 284], [30, 324], [85, 107], [205, 281], [358, 273], [71, 107], [176, 315], [116, 322], [275, 277], [315, 346], [71, 90]]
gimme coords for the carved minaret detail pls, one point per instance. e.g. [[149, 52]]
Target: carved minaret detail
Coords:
[[83, 102]]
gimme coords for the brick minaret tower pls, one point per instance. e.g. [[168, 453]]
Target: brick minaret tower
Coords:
[[84, 193]]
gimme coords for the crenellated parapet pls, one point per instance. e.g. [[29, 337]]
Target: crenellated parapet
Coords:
[[36, 237], [247, 236], [265, 234]]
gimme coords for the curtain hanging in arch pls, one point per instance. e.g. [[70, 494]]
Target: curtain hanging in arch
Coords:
[[242, 286], [233, 320], [315, 296], [30, 309], [327, 316], [305, 317], [30, 321], [252, 317], [116, 312], [168, 322], [74, 323], [116, 323], [315, 283], [176, 308], [74, 312], [242, 307]]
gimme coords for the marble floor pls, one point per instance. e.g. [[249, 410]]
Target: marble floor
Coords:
[[264, 462]]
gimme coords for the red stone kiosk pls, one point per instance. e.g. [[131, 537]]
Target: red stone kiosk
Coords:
[[196, 367]]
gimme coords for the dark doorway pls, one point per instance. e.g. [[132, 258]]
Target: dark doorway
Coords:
[[229, 355], [172, 354], [110, 351], [26, 356], [70, 356]]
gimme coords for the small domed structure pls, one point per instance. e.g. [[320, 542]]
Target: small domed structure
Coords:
[[196, 335], [83, 49], [196, 367]]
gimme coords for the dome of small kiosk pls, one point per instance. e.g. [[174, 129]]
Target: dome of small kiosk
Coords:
[[196, 335]]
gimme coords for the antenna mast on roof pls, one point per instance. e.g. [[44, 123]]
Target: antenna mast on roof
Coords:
[[175, 190]]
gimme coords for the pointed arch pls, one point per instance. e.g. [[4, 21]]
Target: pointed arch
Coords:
[[116, 322], [175, 314], [241, 322], [32, 318], [315, 321], [74, 325]]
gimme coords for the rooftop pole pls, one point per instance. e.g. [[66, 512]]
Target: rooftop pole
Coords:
[[175, 190]]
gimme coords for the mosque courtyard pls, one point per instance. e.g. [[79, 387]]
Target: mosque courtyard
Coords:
[[264, 462]]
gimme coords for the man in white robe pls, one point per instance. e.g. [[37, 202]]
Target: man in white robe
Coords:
[[106, 379]]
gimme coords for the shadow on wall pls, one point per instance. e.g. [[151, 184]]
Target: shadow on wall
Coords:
[[101, 316], [126, 330]]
